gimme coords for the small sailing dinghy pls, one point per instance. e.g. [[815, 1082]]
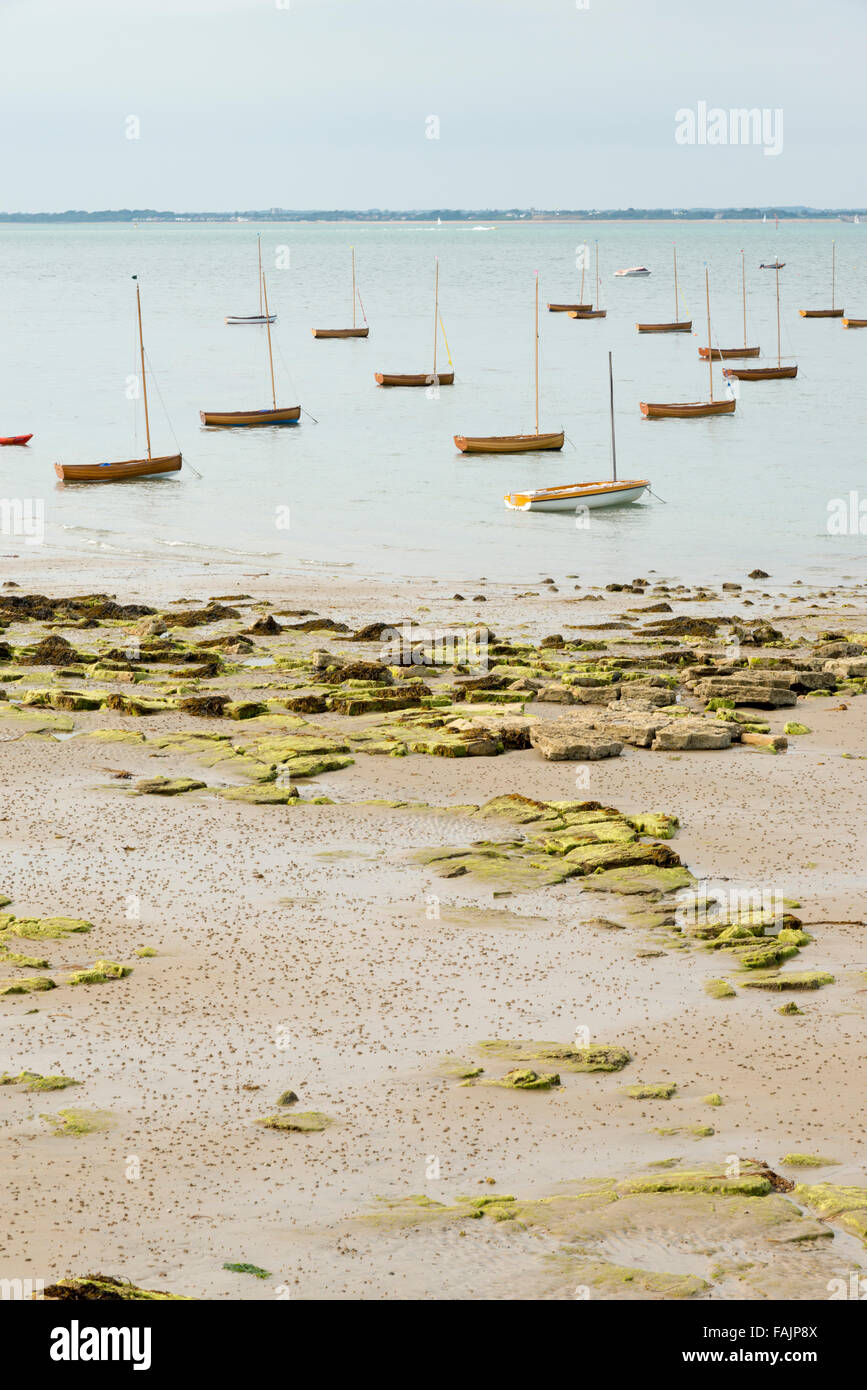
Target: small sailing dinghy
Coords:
[[692, 409], [571, 497], [422, 378], [766, 373], [128, 468], [276, 415], [15, 438], [354, 331], [679, 325], [260, 317], [772, 265], [723, 354], [633, 270], [847, 323], [515, 443], [580, 306], [581, 311], [832, 313]]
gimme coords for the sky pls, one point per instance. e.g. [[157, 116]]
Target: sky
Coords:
[[198, 105]]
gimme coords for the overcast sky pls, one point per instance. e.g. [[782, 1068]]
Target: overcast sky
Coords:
[[325, 103]]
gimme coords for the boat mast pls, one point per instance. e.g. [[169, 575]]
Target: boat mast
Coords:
[[709, 349], [744, 283], [144, 383], [611, 394], [536, 343], [676, 317], [583, 267], [436, 312], [353, 287], [833, 270], [264, 290], [597, 275], [779, 348], [259, 243]]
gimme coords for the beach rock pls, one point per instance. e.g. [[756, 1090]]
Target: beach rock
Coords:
[[746, 692], [150, 627], [758, 574], [684, 734], [51, 651], [167, 786], [561, 742], [845, 668], [267, 626], [358, 671], [205, 706]]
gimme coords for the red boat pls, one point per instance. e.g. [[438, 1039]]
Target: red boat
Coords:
[[15, 438]]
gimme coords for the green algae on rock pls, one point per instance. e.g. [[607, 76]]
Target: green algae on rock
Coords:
[[267, 794], [525, 1080], [99, 973], [713, 1099], [29, 984], [844, 1206], [74, 1122], [598, 1057], [796, 1160], [660, 1090], [804, 979], [301, 1122], [167, 786], [36, 928], [719, 989], [256, 1270], [747, 1185], [98, 1287]]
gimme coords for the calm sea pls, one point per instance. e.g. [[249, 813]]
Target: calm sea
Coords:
[[376, 485]]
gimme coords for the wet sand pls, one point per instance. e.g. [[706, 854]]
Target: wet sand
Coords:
[[299, 946]]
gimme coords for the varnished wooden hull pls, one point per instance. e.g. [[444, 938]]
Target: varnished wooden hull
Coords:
[[569, 308], [761, 373], [283, 415], [688, 411], [340, 332], [509, 443], [422, 379], [723, 354], [855, 323], [117, 472], [250, 318], [821, 313], [587, 313], [682, 326]]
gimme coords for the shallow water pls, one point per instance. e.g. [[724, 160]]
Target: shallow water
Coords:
[[377, 484]]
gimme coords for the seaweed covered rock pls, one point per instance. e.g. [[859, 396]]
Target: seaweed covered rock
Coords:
[[94, 1288]]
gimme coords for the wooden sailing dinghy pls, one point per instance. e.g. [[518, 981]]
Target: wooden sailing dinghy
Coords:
[[354, 331], [831, 313], [128, 468], [723, 354], [847, 323], [581, 311], [421, 378], [277, 415], [692, 409], [515, 443], [766, 373], [260, 317], [569, 497], [580, 306], [679, 325]]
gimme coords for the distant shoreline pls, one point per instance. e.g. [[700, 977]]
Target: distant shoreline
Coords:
[[450, 216]]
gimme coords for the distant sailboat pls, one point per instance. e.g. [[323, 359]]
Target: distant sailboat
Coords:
[[128, 468], [691, 409], [515, 443], [581, 312], [580, 306], [277, 415], [679, 325], [722, 354], [832, 313], [771, 373], [422, 378], [260, 317], [354, 331]]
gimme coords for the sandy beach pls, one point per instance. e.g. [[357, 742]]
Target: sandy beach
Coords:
[[243, 835]]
